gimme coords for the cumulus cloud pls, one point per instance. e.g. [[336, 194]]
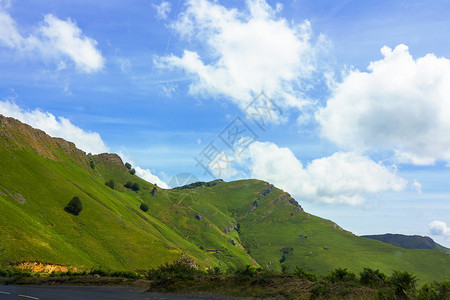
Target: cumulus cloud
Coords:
[[66, 39], [145, 174], [400, 104], [439, 228], [245, 52], [55, 126], [54, 38], [342, 178], [162, 10]]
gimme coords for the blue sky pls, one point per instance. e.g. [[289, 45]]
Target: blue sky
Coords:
[[354, 96]]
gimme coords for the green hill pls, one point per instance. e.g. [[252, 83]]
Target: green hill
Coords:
[[228, 223], [408, 241]]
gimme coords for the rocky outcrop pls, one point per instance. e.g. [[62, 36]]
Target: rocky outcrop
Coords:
[[17, 135], [266, 191], [230, 228], [110, 158]]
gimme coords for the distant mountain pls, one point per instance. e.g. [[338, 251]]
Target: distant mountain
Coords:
[[408, 241], [231, 224]]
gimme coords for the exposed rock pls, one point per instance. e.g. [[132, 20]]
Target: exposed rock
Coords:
[[230, 228], [18, 197], [266, 191], [295, 203], [110, 158], [19, 135], [281, 198], [255, 204]]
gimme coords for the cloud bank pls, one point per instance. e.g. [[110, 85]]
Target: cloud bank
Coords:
[[147, 175], [439, 228], [245, 53], [342, 178], [400, 104], [55, 127], [54, 39]]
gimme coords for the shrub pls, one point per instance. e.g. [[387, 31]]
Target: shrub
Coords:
[[340, 274], [371, 277], [92, 164], [99, 272], [300, 273], [144, 207], [74, 206], [135, 187], [247, 273], [128, 166], [403, 284], [128, 185], [110, 184], [435, 291], [132, 171], [320, 289]]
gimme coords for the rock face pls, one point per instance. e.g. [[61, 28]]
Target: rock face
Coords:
[[230, 228], [17, 135], [111, 158]]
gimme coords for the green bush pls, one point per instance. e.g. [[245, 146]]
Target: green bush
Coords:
[[434, 291], [300, 273], [320, 289], [135, 187], [110, 184], [144, 207], [128, 185], [403, 284], [74, 206], [132, 171], [128, 166], [92, 164], [340, 275], [371, 277]]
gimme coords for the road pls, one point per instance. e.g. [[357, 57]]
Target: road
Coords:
[[22, 292]]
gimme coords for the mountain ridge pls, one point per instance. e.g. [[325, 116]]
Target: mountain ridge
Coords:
[[408, 241]]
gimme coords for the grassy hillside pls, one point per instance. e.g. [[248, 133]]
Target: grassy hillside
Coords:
[[228, 224]]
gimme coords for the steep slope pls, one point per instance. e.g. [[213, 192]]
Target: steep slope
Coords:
[[39, 175], [230, 224], [408, 241]]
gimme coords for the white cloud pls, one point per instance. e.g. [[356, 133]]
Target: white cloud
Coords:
[[439, 228], [145, 174], [162, 10], [400, 104], [56, 127], [66, 39], [9, 36], [417, 186], [55, 39], [342, 178], [245, 52]]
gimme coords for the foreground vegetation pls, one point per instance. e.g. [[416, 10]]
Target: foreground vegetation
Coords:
[[184, 278]]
